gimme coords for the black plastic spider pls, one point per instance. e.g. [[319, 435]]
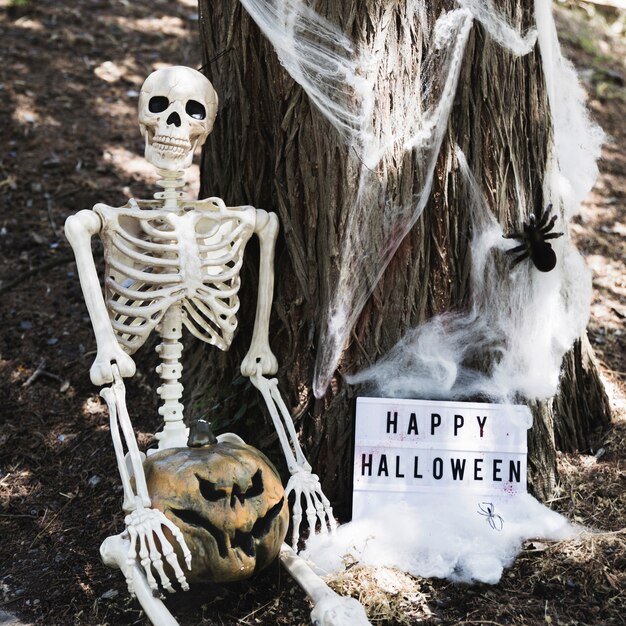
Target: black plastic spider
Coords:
[[534, 245], [486, 509]]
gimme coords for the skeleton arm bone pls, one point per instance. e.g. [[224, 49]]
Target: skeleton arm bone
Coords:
[[303, 483], [266, 229], [260, 361], [142, 522], [115, 397], [79, 229]]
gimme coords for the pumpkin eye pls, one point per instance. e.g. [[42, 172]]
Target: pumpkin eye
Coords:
[[254, 491], [209, 492], [243, 540], [264, 524]]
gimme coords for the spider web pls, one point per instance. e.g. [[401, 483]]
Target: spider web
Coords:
[[341, 80]]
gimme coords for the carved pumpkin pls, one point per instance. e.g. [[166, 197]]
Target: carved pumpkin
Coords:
[[229, 503]]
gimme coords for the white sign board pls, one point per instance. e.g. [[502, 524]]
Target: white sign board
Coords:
[[406, 447]]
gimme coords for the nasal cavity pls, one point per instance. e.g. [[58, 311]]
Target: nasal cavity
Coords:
[[174, 118]]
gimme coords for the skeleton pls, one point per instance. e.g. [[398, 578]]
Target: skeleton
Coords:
[[172, 263]]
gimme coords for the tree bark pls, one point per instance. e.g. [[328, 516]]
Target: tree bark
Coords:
[[273, 149]]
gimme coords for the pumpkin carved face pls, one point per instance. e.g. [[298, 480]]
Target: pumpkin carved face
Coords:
[[229, 503]]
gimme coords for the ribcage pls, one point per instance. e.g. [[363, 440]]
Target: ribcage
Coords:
[[156, 258]]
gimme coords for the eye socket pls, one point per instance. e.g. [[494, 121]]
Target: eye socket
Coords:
[[195, 109], [158, 104]]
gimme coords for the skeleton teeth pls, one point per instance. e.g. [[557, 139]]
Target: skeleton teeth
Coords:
[[170, 149], [173, 142]]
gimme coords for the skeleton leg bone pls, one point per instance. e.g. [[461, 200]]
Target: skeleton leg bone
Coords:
[[114, 551], [303, 483], [330, 608]]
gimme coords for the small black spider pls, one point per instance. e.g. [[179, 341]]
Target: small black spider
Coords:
[[534, 244], [486, 509]]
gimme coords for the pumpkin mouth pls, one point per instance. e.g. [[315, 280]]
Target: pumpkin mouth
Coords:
[[242, 539], [245, 540]]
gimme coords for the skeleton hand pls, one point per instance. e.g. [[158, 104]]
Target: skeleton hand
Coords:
[[303, 483], [141, 526], [101, 371], [259, 361]]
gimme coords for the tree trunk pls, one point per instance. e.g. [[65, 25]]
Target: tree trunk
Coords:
[[273, 149]]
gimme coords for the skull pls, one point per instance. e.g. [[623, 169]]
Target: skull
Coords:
[[177, 108]]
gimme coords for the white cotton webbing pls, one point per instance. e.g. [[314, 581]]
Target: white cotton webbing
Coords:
[[524, 320], [577, 139], [418, 126], [341, 81], [322, 60], [499, 28]]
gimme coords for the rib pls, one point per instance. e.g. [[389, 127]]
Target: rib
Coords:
[[203, 334], [147, 277], [203, 320], [149, 245], [225, 276], [208, 338], [128, 343], [215, 307], [209, 291], [222, 260], [233, 236], [136, 310], [155, 232], [132, 328], [133, 294], [139, 256]]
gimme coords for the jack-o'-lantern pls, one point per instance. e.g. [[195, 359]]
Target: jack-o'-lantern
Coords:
[[229, 503]]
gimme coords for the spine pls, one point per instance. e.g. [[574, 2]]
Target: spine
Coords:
[[174, 433]]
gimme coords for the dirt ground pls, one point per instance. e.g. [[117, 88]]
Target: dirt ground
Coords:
[[69, 78]]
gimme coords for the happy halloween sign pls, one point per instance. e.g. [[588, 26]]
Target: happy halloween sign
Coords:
[[406, 447]]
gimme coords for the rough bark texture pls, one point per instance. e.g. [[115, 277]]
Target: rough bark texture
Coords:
[[270, 148]]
